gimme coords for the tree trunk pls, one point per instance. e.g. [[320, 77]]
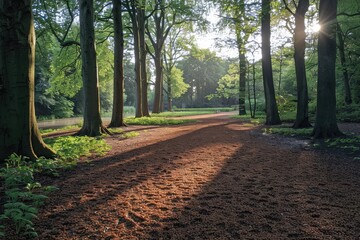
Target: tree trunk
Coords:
[[19, 132], [242, 82], [158, 82], [131, 8], [272, 114], [92, 125], [143, 52], [325, 124], [341, 47], [241, 40], [117, 119], [302, 115]]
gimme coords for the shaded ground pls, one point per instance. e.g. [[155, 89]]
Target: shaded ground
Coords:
[[215, 179]]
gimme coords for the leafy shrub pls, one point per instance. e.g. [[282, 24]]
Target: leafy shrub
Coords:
[[23, 195]]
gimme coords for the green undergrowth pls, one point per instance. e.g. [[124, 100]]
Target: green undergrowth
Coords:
[[213, 110], [120, 133], [71, 148], [67, 128], [259, 118], [288, 131], [23, 195], [349, 143], [181, 114], [156, 121], [130, 134]]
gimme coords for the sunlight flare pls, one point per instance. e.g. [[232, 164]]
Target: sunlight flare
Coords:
[[315, 27]]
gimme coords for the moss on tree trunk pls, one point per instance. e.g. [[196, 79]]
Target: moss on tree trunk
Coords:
[[19, 132]]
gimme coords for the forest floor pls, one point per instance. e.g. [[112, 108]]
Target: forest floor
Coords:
[[218, 178]]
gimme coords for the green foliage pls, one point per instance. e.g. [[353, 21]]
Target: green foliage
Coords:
[[116, 130], [349, 113], [66, 128], [22, 216], [71, 148], [178, 86], [63, 108], [181, 114], [351, 144], [155, 121], [288, 116], [130, 134], [288, 131], [260, 118], [286, 103], [228, 85], [23, 195], [213, 110]]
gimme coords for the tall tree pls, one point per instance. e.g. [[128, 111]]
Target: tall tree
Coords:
[[325, 123], [19, 132], [157, 41], [136, 11], [168, 14], [239, 15], [92, 125], [117, 119], [174, 51], [141, 19], [344, 67], [302, 113], [272, 114]]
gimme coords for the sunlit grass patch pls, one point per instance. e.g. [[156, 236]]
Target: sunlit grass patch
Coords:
[[116, 130], [73, 147], [181, 114], [213, 110], [67, 128], [156, 121], [130, 134], [288, 131]]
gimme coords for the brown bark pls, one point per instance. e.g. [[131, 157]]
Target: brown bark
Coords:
[[325, 123], [302, 114], [19, 132], [117, 119], [272, 114], [143, 52], [344, 69], [92, 125]]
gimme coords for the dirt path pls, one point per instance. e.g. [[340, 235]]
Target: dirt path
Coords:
[[215, 179]]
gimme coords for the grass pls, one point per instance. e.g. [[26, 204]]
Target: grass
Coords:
[[24, 195], [71, 148], [288, 131], [259, 118], [66, 128], [155, 121], [130, 134], [212, 110], [181, 114]]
